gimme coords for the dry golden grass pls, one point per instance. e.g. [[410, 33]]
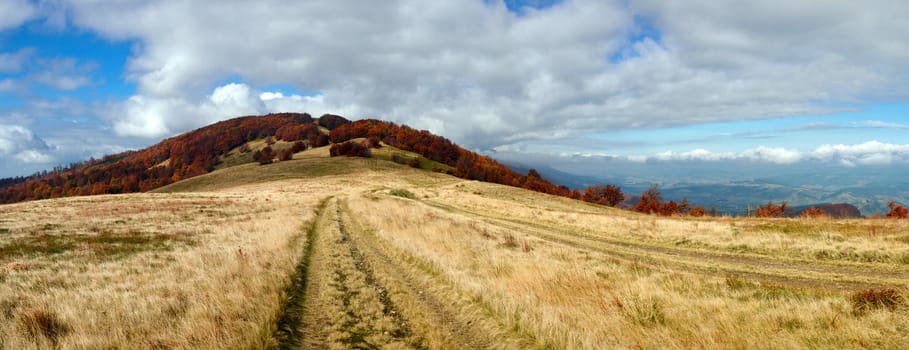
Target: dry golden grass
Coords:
[[570, 296], [402, 258], [147, 271]]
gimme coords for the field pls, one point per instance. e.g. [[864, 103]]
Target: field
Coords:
[[357, 253]]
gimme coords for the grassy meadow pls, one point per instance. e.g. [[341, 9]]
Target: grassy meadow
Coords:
[[341, 253]]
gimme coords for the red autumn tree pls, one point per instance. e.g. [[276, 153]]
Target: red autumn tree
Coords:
[[813, 213], [896, 211], [651, 201], [298, 146], [267, 155], [771, 210], [669, 208], [609, 195], [287, 154], [697, 211]]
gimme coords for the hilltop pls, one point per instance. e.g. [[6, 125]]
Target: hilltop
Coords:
[[242, 140]]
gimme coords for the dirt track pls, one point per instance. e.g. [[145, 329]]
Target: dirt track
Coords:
[[359, 294]]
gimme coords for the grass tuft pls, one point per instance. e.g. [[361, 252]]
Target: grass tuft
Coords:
[[874, 299], [38, 324], [400, 192]]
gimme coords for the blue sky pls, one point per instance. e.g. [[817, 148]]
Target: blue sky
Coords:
[[768, 81]]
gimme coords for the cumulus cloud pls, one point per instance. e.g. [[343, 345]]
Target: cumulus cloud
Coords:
[[699, 154], [481, 74], [13, 62], [776, 155], [14, 12], [868, 153], [22, 144], [153, 117]]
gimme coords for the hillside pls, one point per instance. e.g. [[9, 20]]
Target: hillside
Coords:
[[347, 252], [238, 141], [184, 156]]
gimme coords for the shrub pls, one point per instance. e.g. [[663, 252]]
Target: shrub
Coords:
[[414, 163], [374, 142], [813, 212], [400, 192], [298, 147], [772, 210], [318, 140], [266, 155], [287, 154], [609, 195], [896, 211], [350, 149], [871, 299], [651, 200]]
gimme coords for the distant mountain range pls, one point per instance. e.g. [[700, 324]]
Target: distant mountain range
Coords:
[[800, 188]]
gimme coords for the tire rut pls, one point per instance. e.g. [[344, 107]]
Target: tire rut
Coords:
[[287, 333], [466, 333], [403, 331], [345, 306], [646, 255]]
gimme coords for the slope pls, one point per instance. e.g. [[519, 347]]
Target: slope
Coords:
[[345, 252], [242, 140]]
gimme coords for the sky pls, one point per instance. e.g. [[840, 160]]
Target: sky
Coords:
[[764, 81]]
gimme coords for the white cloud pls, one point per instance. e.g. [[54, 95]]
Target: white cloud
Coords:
[[8, 85], [776, 155], [884, 125], [33, 156], [699, 154], [14, 12], [868, 153], [151, 117], [23, 145], [481, 74], [13, 62]]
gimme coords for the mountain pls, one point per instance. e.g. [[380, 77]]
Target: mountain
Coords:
[[184, 156], [257, 138], [731, 187]]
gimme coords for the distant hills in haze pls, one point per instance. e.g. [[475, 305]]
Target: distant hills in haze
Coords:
[[733, 193]]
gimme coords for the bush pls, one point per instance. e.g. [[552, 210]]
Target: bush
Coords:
[[813, 212], [266, 156], [350, 149], [287, 154], [298, 146], [772, 210], [402, 193], [897, 211], [318, 140], [871, 299]]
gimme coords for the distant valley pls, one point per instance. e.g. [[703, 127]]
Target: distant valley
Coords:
[[729, 189]]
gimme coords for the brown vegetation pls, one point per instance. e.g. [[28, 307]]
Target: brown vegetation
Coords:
[[353, 253], [896, 211]]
